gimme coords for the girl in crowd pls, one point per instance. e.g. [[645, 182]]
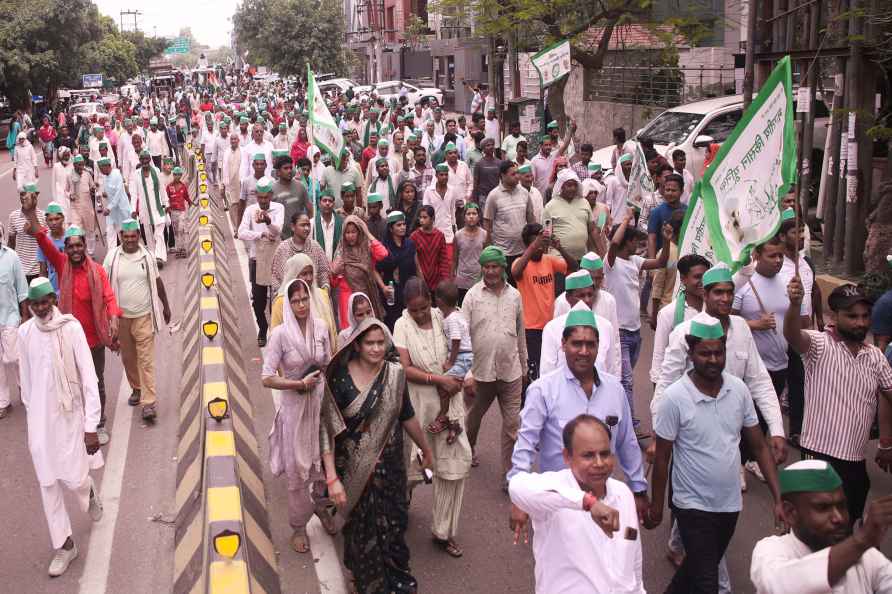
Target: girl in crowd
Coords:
[[399, 266]]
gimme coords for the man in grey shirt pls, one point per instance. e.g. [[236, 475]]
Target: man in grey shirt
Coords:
[[289, 193], [508, 208]]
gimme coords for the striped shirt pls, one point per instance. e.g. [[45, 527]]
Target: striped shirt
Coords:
[[25, 244], [841, 395]]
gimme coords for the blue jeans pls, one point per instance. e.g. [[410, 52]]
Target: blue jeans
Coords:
[[630, 343], [676, 546]]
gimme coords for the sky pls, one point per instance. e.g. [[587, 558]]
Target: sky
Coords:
[[208, 19]]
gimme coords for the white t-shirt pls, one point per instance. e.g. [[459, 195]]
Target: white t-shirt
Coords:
[[621, 281], [456, 328], [788, 271], [771, 344], [134, 293]]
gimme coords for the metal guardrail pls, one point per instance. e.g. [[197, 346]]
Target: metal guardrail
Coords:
[[666, 86]]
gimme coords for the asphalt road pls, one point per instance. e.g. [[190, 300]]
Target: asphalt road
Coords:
[[131, 548]]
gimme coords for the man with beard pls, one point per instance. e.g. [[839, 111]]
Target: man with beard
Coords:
[[843, 378], [822, 553]]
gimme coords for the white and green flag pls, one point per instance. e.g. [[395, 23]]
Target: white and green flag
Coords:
[[694, 235], [640, 181], [754, 168], [552, 63], [322, 129]]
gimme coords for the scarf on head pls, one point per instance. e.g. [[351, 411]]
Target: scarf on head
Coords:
[[145, 192], [64, 372], [97, 299], [359, 264], [320, 302]]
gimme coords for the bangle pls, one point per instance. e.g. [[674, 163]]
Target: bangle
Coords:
[[330, 482], [588, 500], [884, 448]]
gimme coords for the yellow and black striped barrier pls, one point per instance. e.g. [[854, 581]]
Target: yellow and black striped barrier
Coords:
[[223, 541]]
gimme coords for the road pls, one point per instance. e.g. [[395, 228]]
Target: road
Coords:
[[131, 549]]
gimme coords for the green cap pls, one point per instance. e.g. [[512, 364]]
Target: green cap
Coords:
[[374, 198], [279, 153], [145, 153], [580, 279], [706, 327], [472, 206], [625, 157], [54, 208], [788, 214], [103, 145], [130, 225], [153, 120], [39, 287], [178, 171], [74, 231], [442, 167], [264, 185], [808, 476], [450, 147], [283, 126], [591, 261], [167, 159], [347, 187], [326, 193], [720, 273], [552, 125], [260, 121], [383, 142], [594, 167], [77, 159], [395, 217], [525, 168], [31, 188], [97, 127], [244, 120], [492, 254], [259, 157], [104, 161], [381, 161], [581, 317]]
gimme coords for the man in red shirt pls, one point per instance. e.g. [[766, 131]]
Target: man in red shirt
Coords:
[[178, 196], [84, 292], [370, 151], [535, 273]]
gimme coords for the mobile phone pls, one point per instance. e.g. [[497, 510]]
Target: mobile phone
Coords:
[[428, 475]]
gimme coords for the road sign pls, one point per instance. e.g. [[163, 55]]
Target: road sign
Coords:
[[180, 45], [92, 81]]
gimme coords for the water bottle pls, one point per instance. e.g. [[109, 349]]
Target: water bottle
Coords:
[[391, 296]]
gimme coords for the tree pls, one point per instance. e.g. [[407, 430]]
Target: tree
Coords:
[[146, 47], [40, 45], [286, 35]]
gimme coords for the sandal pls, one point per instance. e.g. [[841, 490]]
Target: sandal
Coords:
[[299, 541], [450, 546], [327, 521], [475, 461], [135, 397], [149, 413], [454, 431], [438, 425]]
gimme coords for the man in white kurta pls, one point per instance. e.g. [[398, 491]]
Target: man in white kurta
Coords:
[[148, 198], [821, 554], [25, 159], [585, 525], [61, 397], [580, 291]]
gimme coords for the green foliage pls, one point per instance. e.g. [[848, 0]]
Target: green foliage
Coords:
[[286, 35], [146, 47]]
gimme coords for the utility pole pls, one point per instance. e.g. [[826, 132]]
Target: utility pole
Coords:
[[749, 65]]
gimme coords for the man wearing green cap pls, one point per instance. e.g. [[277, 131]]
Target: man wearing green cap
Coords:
[[148, 204], [495, 318], [130, 155], [509, 145], [444, 199], [699, 424], [55, 221], [371, 124], [96, 140], [257, 146], [346, 171], [248, 185], [157, 144], [821, 553], [116, 203], [60, 392], [81, 191], [13, 308], [208, 140]]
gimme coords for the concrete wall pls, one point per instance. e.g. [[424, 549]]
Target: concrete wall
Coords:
[[595, 120]]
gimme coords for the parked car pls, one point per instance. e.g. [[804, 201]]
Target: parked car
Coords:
[[86, 110], [693, 127], [390, 89], [339, 84]]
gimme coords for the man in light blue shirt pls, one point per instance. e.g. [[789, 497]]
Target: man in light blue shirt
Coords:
[[13, 297], [574, 388], [698, 423]]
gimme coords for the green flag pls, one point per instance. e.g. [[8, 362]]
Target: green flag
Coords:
[[755, 167], [323, 130]]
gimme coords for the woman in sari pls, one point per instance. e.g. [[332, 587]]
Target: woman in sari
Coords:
[[399, 266], [365, 411], [359, 308], [300, 145], [421, 343], [300, 266], [300, 349], [408, 203], [354, 269]]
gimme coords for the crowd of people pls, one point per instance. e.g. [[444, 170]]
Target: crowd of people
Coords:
[[431, 267]]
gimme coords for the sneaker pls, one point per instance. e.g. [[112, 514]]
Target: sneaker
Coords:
[[753, 467], [95, 508], [742, 480], [61, 560], [102, 435]]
